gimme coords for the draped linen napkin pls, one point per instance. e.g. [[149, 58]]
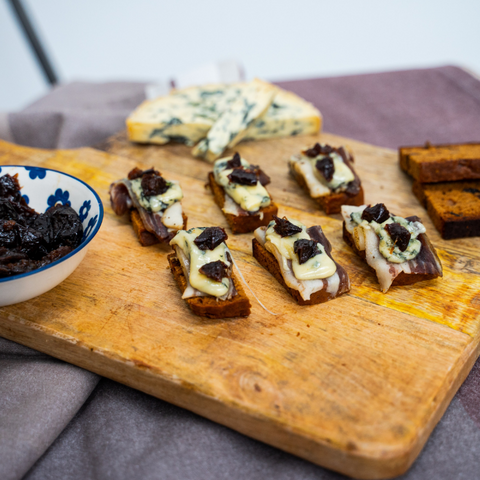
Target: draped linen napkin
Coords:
[[58, 421]]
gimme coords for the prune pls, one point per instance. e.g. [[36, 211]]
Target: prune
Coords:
[[7, 256], [8, 235], [66, 226], [262, 177], [234, 162], [137, 173], [305, 249], [326, 167], [9, 187], [8, 210], [211, 238], [399, 234], [285, 228], [12, 210], [243, 177], [214, 270], [29, 240], [153, 184], [377, 213], [318, 149]]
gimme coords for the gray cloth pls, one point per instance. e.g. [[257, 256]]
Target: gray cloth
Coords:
[[119, 433]]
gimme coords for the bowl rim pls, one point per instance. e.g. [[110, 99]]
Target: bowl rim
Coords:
[[76, 250]]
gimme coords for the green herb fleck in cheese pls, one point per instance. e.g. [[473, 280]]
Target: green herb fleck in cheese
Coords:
[[157, 203], [250, 198], [197, 258], [386, 246], [318, 267]]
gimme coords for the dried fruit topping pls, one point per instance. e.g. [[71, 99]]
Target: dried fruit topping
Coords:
[[211, 238], [243, 177], [305, 249], [29, 240], [214, 270], [153, 184], [9, 187], [137, 173], [263, 178], [285, 228], [235, 161], [318, 149], [399, 234], [377, 213], [326, 167]]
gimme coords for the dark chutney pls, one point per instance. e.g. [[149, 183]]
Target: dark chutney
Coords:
[[31, 240]]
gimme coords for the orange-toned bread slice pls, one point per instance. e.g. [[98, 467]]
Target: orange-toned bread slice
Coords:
[[238, 306], [454, 207], [241, 223], [145, 237], [441, 163]]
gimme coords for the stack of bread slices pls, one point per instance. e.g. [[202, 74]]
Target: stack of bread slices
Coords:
[[447, 183]]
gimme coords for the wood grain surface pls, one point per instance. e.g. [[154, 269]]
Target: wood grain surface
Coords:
[[356, 384]]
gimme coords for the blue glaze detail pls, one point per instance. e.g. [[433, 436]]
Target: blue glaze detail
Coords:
[[90, 226], [36, 172], [27, 200], [59, 197], [84, 209]]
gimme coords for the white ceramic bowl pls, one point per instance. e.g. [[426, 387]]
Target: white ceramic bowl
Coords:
[[43, 188]]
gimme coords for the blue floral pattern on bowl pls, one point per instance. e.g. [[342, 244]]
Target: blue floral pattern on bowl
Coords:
[[84, 209], [90, 226], [36, 172], [60, 196]]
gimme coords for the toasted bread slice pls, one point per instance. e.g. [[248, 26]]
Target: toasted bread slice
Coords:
[[241, 223], [454, 207], [238, 306], [145, 237], [441, 163]]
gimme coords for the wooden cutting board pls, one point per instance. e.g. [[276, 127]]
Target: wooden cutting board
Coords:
[[356, 384]]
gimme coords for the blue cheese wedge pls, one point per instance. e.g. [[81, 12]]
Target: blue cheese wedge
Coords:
[[288, 115], [231, 127], [184, 116], [315, 181], [187, 115], [249, 198], [193, 258]]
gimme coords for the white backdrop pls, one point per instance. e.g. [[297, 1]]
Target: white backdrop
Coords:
[[153, 39]]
